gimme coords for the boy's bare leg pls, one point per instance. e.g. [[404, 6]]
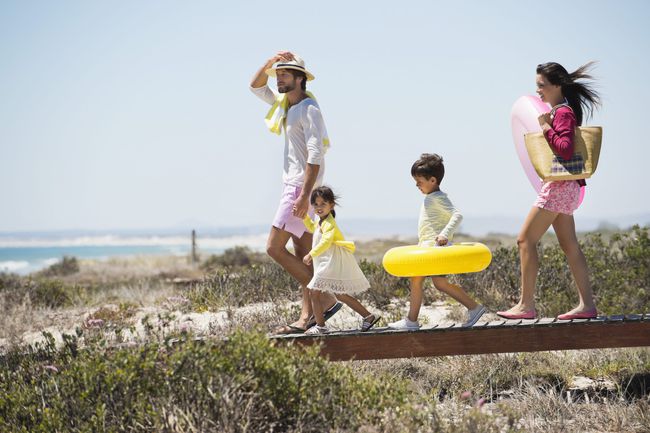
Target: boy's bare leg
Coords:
[[416, 298], [354, 304], [456, 292]]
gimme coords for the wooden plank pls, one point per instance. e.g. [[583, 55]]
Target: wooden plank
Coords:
[[447, 326], [546, 335], [528, 322], [495, 323]]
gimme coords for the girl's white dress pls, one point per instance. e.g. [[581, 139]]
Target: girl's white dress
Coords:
[[336, 270]]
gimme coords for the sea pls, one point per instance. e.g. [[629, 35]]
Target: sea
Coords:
[[22, 253]]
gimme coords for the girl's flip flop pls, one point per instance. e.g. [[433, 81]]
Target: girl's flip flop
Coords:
[[327, 315], [367, 324]]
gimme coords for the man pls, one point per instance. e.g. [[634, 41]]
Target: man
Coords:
[[305, 144]]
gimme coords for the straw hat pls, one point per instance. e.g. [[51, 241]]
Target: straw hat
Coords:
[[297, 64]]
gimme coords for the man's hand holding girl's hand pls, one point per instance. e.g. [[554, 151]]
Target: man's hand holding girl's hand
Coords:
[[301, 206]]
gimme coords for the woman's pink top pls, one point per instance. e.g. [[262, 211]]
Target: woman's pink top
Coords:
[[562, 133]]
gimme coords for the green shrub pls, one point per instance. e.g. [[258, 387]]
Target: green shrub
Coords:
[[241, 286], [236, 256], [45, 292], [244, 384], [66, 266], [50, 293], [383, 286]]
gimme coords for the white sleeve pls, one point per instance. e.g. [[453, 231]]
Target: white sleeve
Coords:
[[264, 93], [454, 220], [315, 133]]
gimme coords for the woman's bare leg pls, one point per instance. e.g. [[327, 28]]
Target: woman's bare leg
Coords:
[[537, 223], [564, 226]]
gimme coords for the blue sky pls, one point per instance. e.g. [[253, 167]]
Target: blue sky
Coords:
[[121, 115]]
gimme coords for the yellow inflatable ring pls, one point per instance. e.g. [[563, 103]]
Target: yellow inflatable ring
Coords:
[[417, 261]]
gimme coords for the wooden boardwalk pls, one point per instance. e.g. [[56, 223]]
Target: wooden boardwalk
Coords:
[[501, 336]]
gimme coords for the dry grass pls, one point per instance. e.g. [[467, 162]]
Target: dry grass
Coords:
[[531, 392]]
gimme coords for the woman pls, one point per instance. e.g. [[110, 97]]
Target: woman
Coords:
[[557, 200]]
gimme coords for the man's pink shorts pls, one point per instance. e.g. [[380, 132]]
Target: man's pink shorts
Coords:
[[284, 218]]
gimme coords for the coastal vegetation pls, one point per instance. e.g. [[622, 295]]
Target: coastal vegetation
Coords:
[[116, 346]]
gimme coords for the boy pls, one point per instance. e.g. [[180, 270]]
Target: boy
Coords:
[[438, 221]]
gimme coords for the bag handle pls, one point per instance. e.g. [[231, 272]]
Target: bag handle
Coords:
[[563, 104]]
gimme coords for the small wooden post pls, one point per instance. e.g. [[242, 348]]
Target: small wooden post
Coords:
[[195, 258]]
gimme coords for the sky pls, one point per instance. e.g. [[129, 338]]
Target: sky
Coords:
[[127, 115]]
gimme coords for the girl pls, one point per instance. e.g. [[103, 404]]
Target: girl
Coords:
[[335, 268], [557, 200]]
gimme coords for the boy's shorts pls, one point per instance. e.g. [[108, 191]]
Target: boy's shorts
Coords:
[[284, 218]]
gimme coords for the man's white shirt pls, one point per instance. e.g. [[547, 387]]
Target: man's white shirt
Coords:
[[304, 134]]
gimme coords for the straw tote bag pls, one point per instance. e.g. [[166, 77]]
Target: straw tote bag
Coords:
[[581, 165]]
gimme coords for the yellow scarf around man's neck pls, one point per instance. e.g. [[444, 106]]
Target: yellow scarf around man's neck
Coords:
[[277, 114]]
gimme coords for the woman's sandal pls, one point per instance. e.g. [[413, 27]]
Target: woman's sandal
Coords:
[[369, 322]]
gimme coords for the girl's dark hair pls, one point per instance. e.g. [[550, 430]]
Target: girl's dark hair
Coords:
[[326, 193], [429, 165], [296, 74], [581, 95]]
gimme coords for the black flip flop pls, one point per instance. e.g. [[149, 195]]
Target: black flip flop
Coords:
[[292, 330], [327, 315], [365, 326]]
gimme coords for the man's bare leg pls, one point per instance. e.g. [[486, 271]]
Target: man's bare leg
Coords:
[[276, 247]]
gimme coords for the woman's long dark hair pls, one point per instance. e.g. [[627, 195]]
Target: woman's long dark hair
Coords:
[[581, 95]]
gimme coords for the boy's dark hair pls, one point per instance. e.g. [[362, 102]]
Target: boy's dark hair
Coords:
[[429, 165], [326, 193], [296, 74]]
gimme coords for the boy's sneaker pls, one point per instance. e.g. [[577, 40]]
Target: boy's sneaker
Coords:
[[317, 330], [474, 315], [405, 324]]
